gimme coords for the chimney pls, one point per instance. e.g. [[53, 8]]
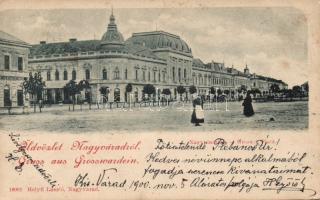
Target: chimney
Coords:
[[72, 39], [42, 42]]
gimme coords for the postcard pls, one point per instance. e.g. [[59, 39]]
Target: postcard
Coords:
[[159, 99]]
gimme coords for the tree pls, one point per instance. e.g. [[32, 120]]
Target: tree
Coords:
[[219, 91], [104, 91], [306, 87], [255, 91], [296, 90], [226, 92], [181, 90], [232, 93], [149, 89], [242, 89], [85, 85], [274, 88], [34, 86], [212, 90], [72, 89], [166, 91], [128, 89], [192, 89]]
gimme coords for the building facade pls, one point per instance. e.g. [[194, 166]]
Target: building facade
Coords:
[[13, 69], [159, 58]]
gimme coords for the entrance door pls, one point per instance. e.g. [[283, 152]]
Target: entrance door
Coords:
[[6, 97], [20, 97], [116, 95], [58, 95], [136, 97]]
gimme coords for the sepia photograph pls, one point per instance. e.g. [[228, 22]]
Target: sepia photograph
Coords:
[[158, 69]]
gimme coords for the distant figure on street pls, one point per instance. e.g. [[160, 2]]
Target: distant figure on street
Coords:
[[247, 106], [197, 116]]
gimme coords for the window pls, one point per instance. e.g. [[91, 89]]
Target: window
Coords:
[[173, 74], [65, 75], [104, 74], [136, 74], [179, 74], [87, 74], [20, 63], [116, 74], [6, 62], [185, 73], [143, 75], [159, 78], [126, 74], [57, 75], [74, 75], [48, 76], [154, 76], [149, 76]]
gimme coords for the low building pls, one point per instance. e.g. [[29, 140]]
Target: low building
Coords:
[[13, 68]]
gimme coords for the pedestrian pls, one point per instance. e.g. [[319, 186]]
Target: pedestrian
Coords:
[[247, 106], [197, 116]]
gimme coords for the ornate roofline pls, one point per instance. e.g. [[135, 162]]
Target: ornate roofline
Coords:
[[155, 33]]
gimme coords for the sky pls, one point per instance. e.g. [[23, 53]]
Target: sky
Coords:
[[271, 41]]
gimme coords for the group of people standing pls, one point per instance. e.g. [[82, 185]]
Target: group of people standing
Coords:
[[197, 116]]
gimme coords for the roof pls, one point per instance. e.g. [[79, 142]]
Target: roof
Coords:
[[112, 36], [89, 45], [6, 37], [140, 50], [198, 63], [235, 71], [64, 47], [160, 39], [269, 79]]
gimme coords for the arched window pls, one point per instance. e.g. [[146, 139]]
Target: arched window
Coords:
[[57, 75], [173, 74], [116, 74], [74, 75], [87, 74], [65, 75], [48, 76], [104, 74]]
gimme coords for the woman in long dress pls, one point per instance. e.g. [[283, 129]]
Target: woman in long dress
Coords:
[[247, 106], [197, 116]]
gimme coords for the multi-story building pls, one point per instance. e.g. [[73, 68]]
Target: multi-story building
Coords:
[[13, 68], [159, 58]]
